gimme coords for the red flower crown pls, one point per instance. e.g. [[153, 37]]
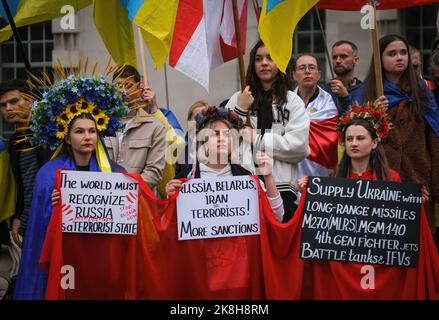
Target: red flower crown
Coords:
[[375, 114]]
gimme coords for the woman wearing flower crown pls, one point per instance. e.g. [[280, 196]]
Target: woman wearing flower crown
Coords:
[[229, 259], [218, 154], [412, 147], [71, 118], [281, 120], [362, 130]]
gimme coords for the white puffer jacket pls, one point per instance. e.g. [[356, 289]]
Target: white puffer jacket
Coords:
[[286, 142]]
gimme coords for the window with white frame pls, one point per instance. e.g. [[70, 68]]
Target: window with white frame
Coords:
[[37, 41]]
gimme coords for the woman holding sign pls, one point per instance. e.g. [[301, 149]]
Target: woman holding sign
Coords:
[[362, 129], [281, 121], [70, 118], [227, 267], [218, 155]]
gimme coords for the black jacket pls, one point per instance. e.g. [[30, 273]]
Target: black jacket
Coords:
[[42, 154]]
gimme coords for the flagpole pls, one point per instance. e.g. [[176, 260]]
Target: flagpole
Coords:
[[17, 36], [240, 56], [142, 57], [376, 52], [256, 9], [238, 43], [325, 43]]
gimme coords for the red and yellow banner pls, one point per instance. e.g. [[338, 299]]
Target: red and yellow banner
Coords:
[[155, 265]]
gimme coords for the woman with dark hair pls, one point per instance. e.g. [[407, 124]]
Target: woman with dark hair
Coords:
[[280, 119], [362, 130], [74, 128], [363, 156], [412, 147]]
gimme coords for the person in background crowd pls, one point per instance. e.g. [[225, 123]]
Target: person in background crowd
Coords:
[[281, 121], [344, 60], [323, 113], [415, 55], [435, 44], [433, 83], [187, 158], [15, 108], [144, 97], [140, 147], [412, 147], [434, 87]]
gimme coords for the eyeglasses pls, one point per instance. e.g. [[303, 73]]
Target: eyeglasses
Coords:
[[303, 67]]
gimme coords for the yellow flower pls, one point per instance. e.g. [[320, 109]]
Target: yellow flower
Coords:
[[72, 110], [85, 106], [62, 131], [101, 121], [63, 119]]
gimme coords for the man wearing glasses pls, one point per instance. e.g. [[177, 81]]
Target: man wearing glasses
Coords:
[[323, 115]]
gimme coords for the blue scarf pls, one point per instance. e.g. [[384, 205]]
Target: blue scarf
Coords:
[[429, 107], [32, 280]]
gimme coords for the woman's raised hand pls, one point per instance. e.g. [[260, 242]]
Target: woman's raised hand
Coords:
[[265, 163], [382, 101], [245, 99]]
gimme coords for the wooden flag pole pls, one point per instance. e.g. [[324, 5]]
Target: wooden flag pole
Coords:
[[376, 52], [328, 56], [240, 56], [238, 43], [142, 57]]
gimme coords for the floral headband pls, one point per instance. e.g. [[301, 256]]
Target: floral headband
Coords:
[[376, 115], [71, 97], [213, 113]]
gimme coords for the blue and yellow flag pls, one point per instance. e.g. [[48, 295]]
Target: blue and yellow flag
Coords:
[[116, 30], [276, 27], [27, 12], [7, 185], [156, 19]]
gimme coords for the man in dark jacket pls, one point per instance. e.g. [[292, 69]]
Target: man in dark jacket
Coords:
[[344, 60], [15, 109]]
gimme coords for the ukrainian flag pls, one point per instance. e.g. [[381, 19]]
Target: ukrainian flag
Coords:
[[276, 27], [116, 30], [156, 19], [27, 12], [7, 185]]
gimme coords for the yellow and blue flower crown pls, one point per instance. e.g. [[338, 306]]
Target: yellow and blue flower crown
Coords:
[[71, 97]]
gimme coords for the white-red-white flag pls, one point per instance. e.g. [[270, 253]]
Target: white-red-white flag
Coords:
[[323, 137], [204, 37]]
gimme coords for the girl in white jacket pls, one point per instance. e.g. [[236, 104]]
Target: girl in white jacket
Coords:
[[280, 125]]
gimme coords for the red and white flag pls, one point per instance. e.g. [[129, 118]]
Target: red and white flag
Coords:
[[204, 37]]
